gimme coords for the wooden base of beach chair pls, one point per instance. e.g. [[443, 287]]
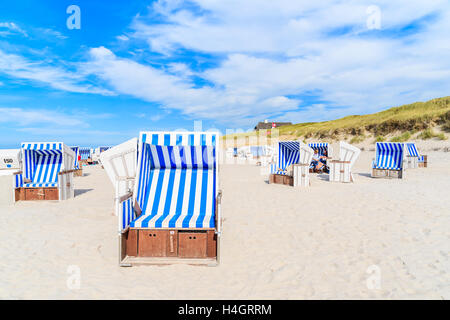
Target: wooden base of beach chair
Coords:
[[340, 171], [78, 173], [381, 173], [301, 175], [168, 246], [410, 162], [424, 164], [281, 179], [30, 194]]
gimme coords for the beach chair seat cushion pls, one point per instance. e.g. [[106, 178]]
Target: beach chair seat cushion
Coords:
[[177, 189], [174, 220], [40, 185]]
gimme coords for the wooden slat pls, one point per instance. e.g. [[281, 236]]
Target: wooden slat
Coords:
[[125, 197], [138, 261], [66, 171]]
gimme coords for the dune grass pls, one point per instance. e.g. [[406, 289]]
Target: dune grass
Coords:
[[410, 118], [405, 136], [429, 134]]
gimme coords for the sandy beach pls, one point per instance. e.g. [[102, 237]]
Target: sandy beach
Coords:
[[324, 242]]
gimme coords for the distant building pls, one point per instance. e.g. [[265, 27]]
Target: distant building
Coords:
[[270, 124]]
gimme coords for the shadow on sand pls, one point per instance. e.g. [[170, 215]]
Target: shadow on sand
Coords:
[[81, 191]]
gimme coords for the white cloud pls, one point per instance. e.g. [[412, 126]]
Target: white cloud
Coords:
[[24, 117], [123, 37], [276, 49], [51, 33], [178, 93], [10, 28], [271, 57], [54, 76]]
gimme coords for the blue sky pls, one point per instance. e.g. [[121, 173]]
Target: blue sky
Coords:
[[161, 65]]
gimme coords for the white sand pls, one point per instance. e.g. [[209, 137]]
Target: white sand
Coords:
[[278, 242]]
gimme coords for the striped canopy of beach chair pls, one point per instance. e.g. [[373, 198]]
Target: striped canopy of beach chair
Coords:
[[18, 180], [288, 153], [176, 180], [411, 150], [85, 153], [322, 147], [76, 150], [43, 161], [101, 149], [389, 156]]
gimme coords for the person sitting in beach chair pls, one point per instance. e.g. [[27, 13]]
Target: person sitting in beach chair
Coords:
[[323, 159], [316, 163]]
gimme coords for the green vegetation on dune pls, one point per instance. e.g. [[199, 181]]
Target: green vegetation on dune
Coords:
[[406, 120]]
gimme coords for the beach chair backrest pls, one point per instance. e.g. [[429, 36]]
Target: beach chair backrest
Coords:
[[103, 149], [288, 153], [389, 155], [120, 164], [322, 147], [43, 161], [178, 174], [10, 159], [76, 150], [348, 152], [85, 153], [411, 150]]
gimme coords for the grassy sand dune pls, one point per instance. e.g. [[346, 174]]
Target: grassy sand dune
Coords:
[[420, 120]]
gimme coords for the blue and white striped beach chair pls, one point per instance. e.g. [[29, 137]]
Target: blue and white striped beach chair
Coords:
[[290, 153], [323, 148], [77, 164], [76, 150], [85, 153], [388, 160], [174, 213], [47, 167], [412, 151]]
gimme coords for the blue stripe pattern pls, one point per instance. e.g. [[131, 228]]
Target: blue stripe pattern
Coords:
[[77, 152], [18, 180], [389, 156], [127, 210], [176, 180], [321, 147], [288, 153], [413, 152], [42, 163], [85, 153]]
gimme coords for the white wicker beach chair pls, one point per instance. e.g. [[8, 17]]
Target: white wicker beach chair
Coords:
[[10, 175], [341, 169]]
